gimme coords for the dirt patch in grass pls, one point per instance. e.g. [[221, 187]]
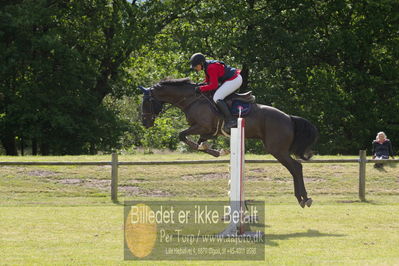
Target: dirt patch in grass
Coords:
[[40, 173], [158, 193], [271, 179], [68, 181], [130, 190], [137, 181], [313, 180], [258, 170], [284, 179], [137, 191], [210, 176], [105, 185], [102, 184], [99, 183]]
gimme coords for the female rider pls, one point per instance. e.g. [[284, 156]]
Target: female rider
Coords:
[[220, 77]]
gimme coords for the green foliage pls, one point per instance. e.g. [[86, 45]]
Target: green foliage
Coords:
[[332, 62], [161, 136], [60, 60], [164, 134]]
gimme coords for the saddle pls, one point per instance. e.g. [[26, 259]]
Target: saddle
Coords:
[[246, 97], [238, 103]]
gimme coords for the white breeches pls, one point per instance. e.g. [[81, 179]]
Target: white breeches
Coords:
[[227, 88]]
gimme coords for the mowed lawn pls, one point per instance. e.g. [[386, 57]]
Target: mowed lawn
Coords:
[[63, 214]]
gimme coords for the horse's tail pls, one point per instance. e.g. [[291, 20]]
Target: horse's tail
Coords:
[[305, 135]]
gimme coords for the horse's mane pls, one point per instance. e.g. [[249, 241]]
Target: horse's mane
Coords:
[[176, 82]]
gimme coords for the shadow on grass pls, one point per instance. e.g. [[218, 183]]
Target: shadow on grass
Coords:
[[371, 202], [271, 238], [117, 202]]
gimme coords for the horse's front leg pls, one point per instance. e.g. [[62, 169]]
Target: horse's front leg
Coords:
[[195, 130]]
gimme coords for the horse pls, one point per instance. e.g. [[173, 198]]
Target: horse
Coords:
[[282, 135]]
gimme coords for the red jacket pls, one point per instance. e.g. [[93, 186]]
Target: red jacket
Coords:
[[215, 71]]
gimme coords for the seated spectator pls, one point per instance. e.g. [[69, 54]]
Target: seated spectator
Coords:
[[382, 148]]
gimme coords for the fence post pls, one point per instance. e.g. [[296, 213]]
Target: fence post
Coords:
[[362, 175], [114, 177]]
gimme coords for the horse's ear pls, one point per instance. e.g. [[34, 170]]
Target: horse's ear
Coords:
[[145, 91]]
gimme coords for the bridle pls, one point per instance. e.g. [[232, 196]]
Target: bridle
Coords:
[[156, 104]]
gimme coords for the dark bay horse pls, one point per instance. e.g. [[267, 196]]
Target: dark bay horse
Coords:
[[281, 134]]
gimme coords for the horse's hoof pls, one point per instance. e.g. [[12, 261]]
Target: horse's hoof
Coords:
[[203, 146], [309, 202], [224, 152], [302, 203]]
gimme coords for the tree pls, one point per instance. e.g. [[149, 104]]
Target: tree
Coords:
[[333, 62], [61, 58]]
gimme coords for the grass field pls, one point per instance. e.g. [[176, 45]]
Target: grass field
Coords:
[[61, 215]]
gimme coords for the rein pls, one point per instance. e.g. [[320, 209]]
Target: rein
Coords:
[[152, 112]]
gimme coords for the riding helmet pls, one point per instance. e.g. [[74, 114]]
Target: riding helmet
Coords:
[[197, 59]]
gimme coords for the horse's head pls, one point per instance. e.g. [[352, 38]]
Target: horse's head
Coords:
[[173, 91], [150, 107]]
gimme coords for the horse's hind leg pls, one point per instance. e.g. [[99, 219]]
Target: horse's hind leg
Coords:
[[295, 168]]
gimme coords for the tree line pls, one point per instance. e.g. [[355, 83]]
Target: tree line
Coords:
[[69, 69]]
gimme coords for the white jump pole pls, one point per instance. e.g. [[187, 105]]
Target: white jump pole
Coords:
[[237, 161], [237, 201]]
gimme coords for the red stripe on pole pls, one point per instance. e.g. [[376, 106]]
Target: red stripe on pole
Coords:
[[242, 153]]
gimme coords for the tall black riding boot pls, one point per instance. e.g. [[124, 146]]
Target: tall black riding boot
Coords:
[[229, 120]]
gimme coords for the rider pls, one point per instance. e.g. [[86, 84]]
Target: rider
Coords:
[[218, 74]]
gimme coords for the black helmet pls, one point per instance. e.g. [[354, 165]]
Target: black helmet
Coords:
[[197, 59]]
